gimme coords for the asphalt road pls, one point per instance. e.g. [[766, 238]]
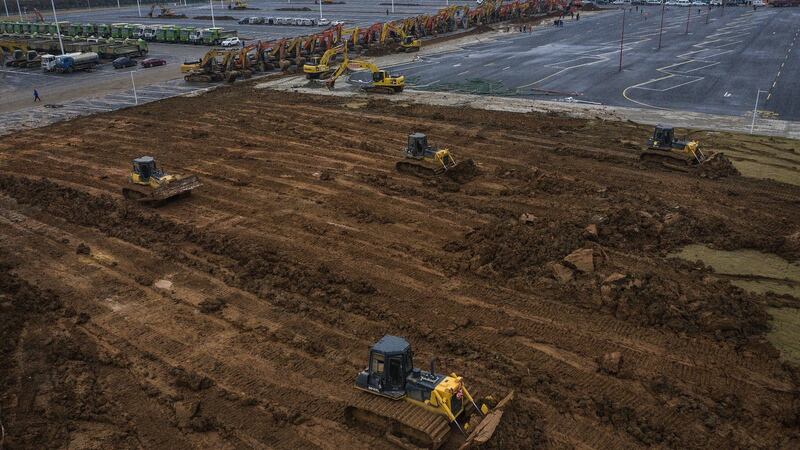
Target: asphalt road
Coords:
[[352, 12], [717, 67]]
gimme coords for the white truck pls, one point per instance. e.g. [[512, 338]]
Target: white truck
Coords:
[[70, 62], [49, 61]]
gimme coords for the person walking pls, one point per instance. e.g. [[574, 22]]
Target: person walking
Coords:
[[36, 97]]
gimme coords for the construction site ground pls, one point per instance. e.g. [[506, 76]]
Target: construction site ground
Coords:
[[238, 317]]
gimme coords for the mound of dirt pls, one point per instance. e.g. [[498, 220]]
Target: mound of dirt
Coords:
[[663, 292], [718, 166], [464, 172]]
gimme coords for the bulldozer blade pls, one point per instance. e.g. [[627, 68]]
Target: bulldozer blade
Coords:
[[177, 187], [485, 430]]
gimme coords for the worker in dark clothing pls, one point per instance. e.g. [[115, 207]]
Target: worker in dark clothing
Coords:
[[36, 97], [578, 16]]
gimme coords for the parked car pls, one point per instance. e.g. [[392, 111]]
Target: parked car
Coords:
[[122, 62], [245, 20], [232, 42], [152, 62], [324, 22]]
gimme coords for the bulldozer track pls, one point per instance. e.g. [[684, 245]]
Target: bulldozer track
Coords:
[[411, 422]]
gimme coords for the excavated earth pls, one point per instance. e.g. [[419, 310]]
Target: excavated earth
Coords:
[[238, 317]]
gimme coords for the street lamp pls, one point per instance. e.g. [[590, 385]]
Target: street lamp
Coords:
[[211, 2], [19, 10], [6, 5], [688, 18], [622, 39], [320, 9], [139, 7], [661, 28], [755, 109], [58, 28]]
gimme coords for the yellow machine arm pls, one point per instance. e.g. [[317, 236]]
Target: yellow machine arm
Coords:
[[339, 70], [326, 57]]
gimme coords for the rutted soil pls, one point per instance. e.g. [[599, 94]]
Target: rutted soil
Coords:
[[238, 317]]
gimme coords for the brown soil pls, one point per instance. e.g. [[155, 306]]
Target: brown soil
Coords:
[[239, 316]]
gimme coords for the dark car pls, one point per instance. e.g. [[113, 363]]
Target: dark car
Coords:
[[152, 62], [124, 61]]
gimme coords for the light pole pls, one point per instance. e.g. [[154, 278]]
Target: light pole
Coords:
[[211, 2], [320, 9], [392, 6], [19, 10], [58, 27], [622, 39], [139, 7], [135, 97], [755, 109], [6, 5], [661, 28], [688, 17]]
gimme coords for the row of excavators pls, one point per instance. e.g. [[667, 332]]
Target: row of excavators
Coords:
[[292, 54]]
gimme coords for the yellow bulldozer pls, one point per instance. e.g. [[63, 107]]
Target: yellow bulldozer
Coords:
[[414, 408], [148, 184], [664, 149], [424, 160]]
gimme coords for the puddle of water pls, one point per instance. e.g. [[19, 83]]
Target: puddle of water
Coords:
[[760, 272]]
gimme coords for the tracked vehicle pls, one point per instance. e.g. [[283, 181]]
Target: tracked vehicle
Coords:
[[411, 407], [148, 184], [425, 160]]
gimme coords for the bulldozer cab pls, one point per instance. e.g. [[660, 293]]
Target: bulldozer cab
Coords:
[[663, 136], [390, 362], [417, 144], [145, 167]]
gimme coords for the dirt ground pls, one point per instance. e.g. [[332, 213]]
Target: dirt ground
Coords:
[[238, 317]]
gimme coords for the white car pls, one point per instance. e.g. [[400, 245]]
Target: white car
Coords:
[[232, 42], [324, 22]]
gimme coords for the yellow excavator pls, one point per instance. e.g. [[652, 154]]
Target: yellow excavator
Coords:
[[148, 184], [209, 69], [237, 4], [380, 82], [406, 43], [415, 408], [320, 67]]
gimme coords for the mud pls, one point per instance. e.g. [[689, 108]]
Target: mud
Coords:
[[238, 317]]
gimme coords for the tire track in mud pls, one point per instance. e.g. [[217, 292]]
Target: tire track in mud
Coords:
[[414, 297]]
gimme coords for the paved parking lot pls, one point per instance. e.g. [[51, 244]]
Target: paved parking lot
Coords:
[[17, 85], [717, 67], [352, 12], [48, 112]]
